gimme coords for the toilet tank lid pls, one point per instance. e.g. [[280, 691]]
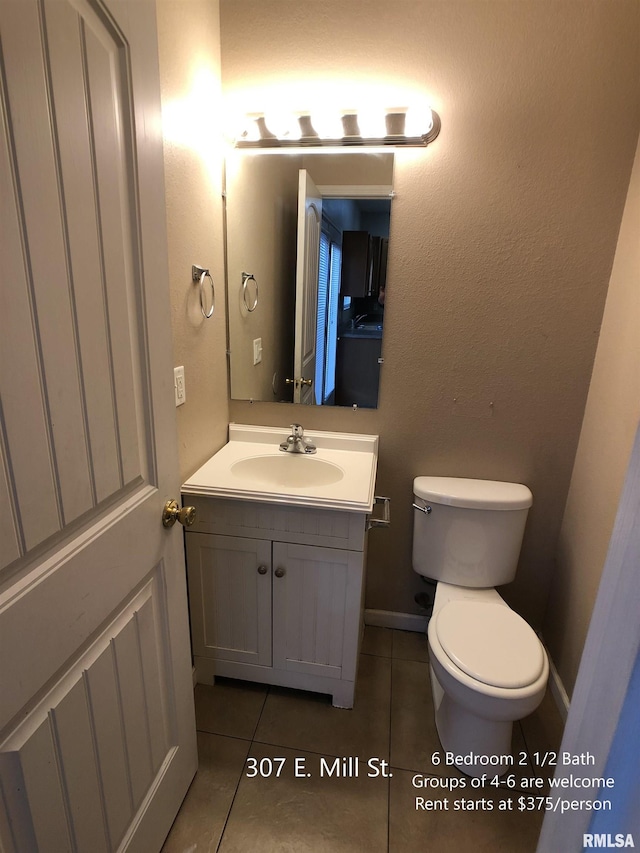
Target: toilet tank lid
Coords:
[[473, 494]]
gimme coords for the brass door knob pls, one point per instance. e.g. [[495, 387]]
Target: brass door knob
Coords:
[[172, 513]]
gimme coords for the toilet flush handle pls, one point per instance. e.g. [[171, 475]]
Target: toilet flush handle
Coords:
[[425, 509]]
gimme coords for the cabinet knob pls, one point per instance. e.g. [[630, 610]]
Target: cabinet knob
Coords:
[[279, 572], [262, 570]]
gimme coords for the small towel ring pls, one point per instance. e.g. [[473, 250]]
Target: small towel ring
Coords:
[[198, 274], [247, 277]]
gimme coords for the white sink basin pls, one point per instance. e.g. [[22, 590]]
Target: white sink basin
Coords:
[[341, 475], [287, 469]]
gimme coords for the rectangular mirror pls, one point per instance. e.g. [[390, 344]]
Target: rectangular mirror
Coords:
[[307, 237]]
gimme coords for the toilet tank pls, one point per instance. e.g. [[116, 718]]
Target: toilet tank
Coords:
[[473, 532]]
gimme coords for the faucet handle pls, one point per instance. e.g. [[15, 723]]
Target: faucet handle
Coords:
[[297, 430]]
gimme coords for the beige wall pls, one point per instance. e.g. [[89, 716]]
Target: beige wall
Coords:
[[502, 237], [610, 422], [189, 46]]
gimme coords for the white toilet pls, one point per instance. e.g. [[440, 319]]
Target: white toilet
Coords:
[[488, 667]]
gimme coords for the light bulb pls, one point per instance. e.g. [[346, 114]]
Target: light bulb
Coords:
[[283, 124], [372, 124], [327, 124], [419, 121]]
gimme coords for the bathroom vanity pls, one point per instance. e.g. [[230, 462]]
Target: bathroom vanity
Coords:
[[276, 560]]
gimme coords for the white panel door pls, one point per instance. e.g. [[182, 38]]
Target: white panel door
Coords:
[[97, 734], [307, 262]]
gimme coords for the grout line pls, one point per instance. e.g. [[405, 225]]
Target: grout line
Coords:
[[297, 749], [223, 734], [264, 702], [250, 742], [233, 799]]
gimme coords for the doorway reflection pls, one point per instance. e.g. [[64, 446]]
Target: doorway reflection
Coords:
[[351, 292]]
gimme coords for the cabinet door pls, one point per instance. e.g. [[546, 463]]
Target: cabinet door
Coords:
[[316, 609], [356, 264], [358, 373], [230, 597]]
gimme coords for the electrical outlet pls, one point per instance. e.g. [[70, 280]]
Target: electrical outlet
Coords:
[[257, 351], [179, 386]]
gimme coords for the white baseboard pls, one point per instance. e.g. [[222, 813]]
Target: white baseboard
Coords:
[[558, 692], [560, 695], [393, 619]]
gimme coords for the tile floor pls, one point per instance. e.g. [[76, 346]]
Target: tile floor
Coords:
[[243, 726]]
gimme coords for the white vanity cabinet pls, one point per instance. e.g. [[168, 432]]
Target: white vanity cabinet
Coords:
[[276, 593]]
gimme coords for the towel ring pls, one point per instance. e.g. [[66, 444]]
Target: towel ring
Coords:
[[198, 274], [246, 278]]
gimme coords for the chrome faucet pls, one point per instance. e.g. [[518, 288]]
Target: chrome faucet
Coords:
[[297, 443]]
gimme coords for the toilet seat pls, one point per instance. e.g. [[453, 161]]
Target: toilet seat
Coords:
[[490, 643]]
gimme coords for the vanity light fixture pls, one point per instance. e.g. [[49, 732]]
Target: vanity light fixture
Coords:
[[300, 132]]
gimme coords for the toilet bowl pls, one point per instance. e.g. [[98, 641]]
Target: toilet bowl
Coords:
[[488, 667]]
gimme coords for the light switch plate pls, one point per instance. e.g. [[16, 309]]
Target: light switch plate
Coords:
[[179, 386], [257, 351]]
